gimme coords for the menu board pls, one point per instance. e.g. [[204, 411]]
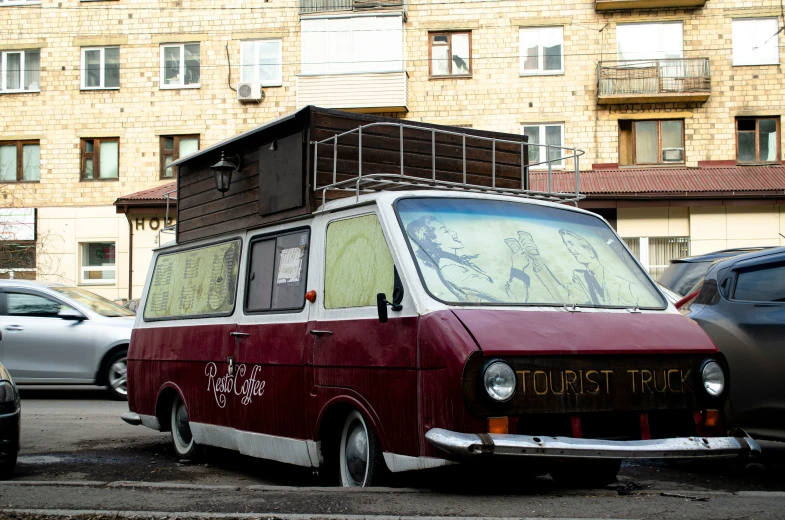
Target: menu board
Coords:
[[195, 282]]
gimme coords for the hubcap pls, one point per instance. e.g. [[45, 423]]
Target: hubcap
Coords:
[[182, 428], [117, 376], [357, 452]]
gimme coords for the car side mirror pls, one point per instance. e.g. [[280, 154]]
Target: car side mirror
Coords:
[[382, 303], [71, 315]]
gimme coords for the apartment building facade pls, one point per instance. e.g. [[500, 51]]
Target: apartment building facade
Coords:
[[677, 103]]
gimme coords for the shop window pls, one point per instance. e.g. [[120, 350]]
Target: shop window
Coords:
[[100, 159], [551, 135], [542, 50], [100, 68], [651, 142], [261, 62], [358, 263], [656, 253], [172, 148], [450, 54], [180, 65], [277, 273], [20, 161], [756, 41], [758, 139], [20, 71], [98, 263]]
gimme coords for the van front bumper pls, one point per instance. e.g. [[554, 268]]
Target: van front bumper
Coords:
[[466, 445]]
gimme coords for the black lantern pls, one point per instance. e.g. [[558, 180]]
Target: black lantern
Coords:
[[223, 170]]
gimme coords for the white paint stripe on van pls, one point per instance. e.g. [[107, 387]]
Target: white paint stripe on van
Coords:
[[271, 447]]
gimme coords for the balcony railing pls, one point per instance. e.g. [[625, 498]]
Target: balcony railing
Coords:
[[653, 81], [321, 6]]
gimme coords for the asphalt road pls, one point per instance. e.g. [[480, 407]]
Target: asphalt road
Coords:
[[78, 455]]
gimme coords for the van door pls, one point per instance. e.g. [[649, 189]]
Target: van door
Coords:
[[272, 330], [356, 358]]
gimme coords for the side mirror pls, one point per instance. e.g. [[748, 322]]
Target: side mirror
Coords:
[[71, 315]]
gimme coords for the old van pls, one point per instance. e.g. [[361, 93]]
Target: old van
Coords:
[[373, 295]]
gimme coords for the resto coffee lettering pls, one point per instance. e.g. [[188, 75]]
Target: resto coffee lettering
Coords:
[[221, 386], [560, 382]]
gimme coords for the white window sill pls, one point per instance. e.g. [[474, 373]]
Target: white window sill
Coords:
[[180, 87], [99, 88], [546, 73], [271, 85], [327, 73], [103, 282], [17, 4], [20, 91], [756, 64]]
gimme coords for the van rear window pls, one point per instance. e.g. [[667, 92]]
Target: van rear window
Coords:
[[194, 283]]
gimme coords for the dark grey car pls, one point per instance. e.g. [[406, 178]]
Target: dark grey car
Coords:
[[741, 305]]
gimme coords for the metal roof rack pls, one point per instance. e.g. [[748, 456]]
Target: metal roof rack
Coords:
[[364, 182]]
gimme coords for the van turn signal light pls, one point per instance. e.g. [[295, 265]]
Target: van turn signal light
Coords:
[[311, 296], [711, 417], [498, 425]]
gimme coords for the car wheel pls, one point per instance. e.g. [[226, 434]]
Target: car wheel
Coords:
[[116, 376], [7, 467], [185, 448], [586, 474], [360, 457]]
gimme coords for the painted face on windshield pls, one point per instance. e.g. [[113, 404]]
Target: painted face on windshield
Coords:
[[578, 247], [446, 238]]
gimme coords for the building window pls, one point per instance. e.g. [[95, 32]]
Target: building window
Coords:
[[261, 62], [656, 253], [352, 44], [551, 135], [756, 41], [100, 158], [98, 263], [172, 148], [542, 50], [650, 41], [100, 68], [758, 139], [651, 142], [21, 71], [180, 65], [20, 161], [451, 54]]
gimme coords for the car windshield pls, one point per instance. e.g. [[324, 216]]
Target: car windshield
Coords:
[[506, 253], [94, 302]]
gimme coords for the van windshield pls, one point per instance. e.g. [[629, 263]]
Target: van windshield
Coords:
[[506, 253]]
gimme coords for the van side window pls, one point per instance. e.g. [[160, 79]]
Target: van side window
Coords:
[[761, 285], [277, 273], [358, 264], [194, 283]]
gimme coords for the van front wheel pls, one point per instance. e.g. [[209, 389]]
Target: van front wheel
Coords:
[[185, 448], [360, 458]]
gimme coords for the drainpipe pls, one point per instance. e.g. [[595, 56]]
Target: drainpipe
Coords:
[[130, 254]]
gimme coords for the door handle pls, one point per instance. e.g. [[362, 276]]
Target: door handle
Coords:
[[239, 334], [15, 328], [230, 360], [320, 332]]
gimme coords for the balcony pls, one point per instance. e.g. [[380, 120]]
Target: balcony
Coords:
[[625, 5], [653, 81], [328, 6], [368, 92]]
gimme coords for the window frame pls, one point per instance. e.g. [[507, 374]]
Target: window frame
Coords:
[[102, 61], [775, 36], [305, 269], [633, 143], [82, 267], [23, 62], [95, 155], [757, 119], [540, 53], [560, 165], [175, 153], [449, 35], [256, 79], [20, 159], [181, 84]]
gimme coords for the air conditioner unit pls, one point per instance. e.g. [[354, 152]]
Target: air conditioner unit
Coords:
[[249, 92]]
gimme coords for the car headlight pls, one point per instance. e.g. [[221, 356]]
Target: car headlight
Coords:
[[7, 394], [713, 378], [499, 381]]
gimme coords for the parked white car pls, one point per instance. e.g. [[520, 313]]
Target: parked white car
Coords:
[[56, 334]]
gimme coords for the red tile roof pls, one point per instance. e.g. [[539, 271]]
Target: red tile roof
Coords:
[[669, 180], [157, 194]]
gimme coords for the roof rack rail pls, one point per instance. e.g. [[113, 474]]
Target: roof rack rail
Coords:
[[381, 172]]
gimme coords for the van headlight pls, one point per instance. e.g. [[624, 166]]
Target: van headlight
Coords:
[[499, 381], [713, 378]]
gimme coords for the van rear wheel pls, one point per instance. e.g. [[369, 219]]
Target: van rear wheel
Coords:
[[185, 448], [360, 457]]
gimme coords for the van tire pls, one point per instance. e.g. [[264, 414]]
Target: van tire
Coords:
[[360, 460], [115, 375], [586, 474], [185, 448]]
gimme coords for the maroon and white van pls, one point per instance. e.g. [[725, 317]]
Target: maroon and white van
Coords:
[[404, 328]]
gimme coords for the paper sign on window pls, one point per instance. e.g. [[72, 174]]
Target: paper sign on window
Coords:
[[290, 265]]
